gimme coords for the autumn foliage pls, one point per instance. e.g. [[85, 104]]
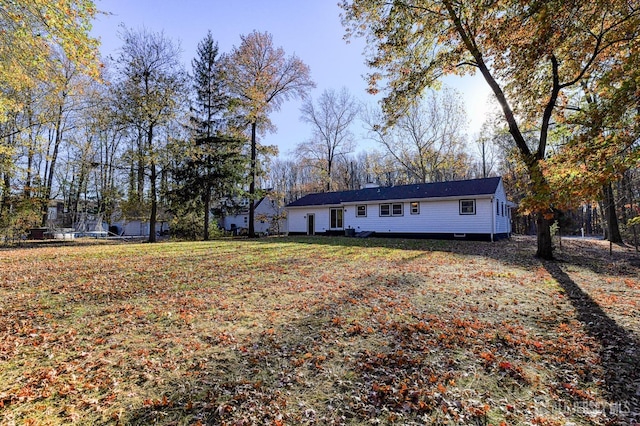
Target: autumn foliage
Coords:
[[31, 32], [533, 56], [318, 331]]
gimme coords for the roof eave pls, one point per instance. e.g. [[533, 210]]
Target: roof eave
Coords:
[[397, 200], [408, 200]]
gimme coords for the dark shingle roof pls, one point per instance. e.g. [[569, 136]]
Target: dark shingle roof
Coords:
[[458, 188]]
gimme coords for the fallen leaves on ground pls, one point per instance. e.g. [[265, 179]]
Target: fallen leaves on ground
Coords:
[[319, 331]]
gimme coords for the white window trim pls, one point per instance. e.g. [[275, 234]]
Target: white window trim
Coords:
[[341, 218], [417, 204], [391, 214], [467, 213], [365, 210]]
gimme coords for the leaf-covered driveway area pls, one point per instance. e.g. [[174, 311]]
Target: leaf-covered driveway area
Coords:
[[319, 331]]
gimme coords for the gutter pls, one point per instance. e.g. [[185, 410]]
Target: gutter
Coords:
[[493, 219], [399, 200]]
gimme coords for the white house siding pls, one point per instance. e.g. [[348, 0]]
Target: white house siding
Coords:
[[435, 217], [502, 214], [238, 221], [438, 216], [242, 221], [265, 208], [297, 219], [135, 228]]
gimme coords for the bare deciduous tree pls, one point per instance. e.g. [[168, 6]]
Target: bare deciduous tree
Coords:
[[151, 81], [331, 118], [427, 139]]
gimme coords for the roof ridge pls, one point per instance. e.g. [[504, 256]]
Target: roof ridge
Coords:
[[453, 188]]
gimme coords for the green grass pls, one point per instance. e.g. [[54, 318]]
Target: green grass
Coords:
[[318, 331]]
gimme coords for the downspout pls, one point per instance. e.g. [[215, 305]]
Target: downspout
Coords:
[[493, 219]]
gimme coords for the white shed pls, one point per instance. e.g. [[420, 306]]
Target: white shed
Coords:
[[475, 209]]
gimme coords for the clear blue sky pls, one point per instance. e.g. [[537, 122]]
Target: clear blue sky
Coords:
[[309, 28]]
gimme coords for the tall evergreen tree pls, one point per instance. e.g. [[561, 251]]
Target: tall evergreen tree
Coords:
[[214, 165], [211, 100]]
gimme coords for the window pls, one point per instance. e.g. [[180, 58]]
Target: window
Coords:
[[361, 210], [415, 207], [502, 205], [497, 208], [336, 218], [467, 206], [395, 209]]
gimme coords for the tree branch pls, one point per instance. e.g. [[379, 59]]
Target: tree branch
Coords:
[[548, 110], [495, 87]]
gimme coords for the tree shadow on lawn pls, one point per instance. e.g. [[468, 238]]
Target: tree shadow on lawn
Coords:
[[276, 369], [349, 341], [620, 348], [518, 251], [620, 351], [271, 377]]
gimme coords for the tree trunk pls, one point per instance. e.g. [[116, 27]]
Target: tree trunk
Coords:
[[589, 220], [30, 156], [28, 180], [5, 186], [5, 201], [140, 169], [484, 159], [206, 201], [545, 246], [613, 229], [133, 191], [153, 188], [252, 182], [52, 165], [154, 204], [531, 159]]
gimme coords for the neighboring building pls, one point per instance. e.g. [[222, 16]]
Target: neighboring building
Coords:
[[125, 225], [57, 214], [268, 217], [475, 209], [88, 222], [136, 228]]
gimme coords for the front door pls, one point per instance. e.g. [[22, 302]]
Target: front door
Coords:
[[311, 224]]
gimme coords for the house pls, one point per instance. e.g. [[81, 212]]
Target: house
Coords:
[[475, 209], [268, 217]]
